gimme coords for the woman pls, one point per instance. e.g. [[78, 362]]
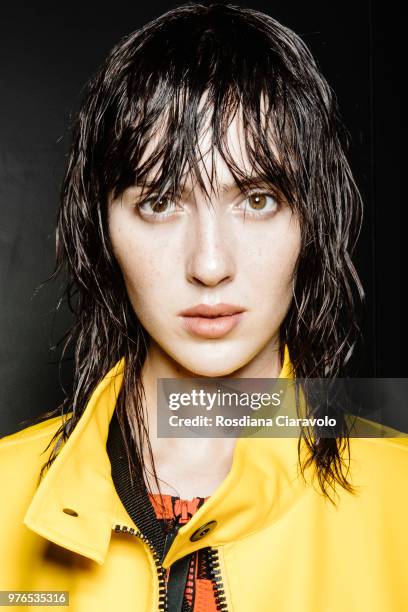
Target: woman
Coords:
[[207, 218]]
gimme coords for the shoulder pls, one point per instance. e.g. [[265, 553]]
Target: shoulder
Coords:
[[378, 439], [380, 460], [24, 452], [32, 433], [388, 451], [28, 446], [22, 455]]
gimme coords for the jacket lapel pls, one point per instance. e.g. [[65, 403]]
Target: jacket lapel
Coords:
[[260, 487]]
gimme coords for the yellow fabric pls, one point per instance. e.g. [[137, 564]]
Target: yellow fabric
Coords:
[[282, 546]]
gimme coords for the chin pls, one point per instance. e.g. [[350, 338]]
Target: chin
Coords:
[[211, 371], [217, 367]]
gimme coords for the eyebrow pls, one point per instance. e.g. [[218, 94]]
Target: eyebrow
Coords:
[[224, 187], [254, 181], [227, 187]]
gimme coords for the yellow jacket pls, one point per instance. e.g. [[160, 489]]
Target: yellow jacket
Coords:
[[281, 546]]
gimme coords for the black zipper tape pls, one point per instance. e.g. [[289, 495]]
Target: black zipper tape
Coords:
[[177, 582], [138, 505]]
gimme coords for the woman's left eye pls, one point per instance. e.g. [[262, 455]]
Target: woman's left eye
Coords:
[[260, 202]]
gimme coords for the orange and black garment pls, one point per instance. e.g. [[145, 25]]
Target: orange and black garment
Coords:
[[199, 589], [190, 582]]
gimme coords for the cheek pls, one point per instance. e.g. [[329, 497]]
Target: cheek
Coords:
[[142, 274], [145, 271], [270, 261], [144, 285]]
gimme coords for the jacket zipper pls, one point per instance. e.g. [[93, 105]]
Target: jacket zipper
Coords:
[[215, 573], [161, 572], [213, 562]]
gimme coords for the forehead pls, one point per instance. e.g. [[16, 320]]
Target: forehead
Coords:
[[210, 163]]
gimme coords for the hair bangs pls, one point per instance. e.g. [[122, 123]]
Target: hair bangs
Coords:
[[155, 139]]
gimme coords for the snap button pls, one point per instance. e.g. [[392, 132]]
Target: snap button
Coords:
[[202, 531], [70, 511]]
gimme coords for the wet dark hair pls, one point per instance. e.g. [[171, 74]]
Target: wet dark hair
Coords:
[[168, 78]]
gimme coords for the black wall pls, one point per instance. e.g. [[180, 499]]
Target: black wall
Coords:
[[49, 51]]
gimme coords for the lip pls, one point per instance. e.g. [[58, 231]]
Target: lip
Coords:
[[211, 321]]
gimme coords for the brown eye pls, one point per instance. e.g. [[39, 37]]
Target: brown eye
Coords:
[[156, 208], [161, 205], [257, 201], [260, 204]]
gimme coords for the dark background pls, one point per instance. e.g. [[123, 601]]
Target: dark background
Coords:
[[48, 53]]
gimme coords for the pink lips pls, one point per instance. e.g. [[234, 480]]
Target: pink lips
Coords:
[[211, 321]]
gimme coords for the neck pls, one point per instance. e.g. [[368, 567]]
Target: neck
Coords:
[[188, 479]]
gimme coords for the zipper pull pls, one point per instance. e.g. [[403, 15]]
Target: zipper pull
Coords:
[[178, 573], [170, 537]]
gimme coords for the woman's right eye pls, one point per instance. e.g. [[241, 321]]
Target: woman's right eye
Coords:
[[157, 207]]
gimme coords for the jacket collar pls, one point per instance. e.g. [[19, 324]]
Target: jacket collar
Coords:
[[260, 487]]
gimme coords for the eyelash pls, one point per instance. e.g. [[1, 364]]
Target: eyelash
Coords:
[[247, 210], [153, 198], [252, 212]]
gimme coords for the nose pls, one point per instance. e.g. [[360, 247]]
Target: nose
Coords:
[[210, 260]]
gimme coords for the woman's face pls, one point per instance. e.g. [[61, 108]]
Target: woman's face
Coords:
[[232, 261]]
